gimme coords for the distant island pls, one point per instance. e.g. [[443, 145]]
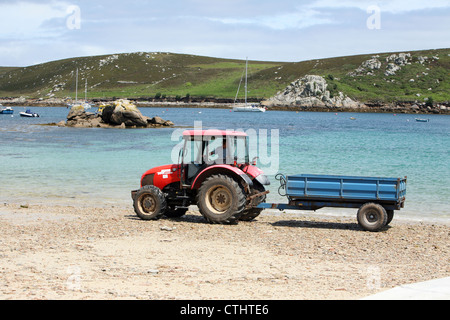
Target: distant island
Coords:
[[409, 82]]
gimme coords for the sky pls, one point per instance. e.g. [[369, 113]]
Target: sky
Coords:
[[33, 32]]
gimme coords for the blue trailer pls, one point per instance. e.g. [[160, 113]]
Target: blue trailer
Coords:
[[376, 198]]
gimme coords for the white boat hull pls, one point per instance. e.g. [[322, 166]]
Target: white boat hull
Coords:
[[23, 114], [249, 109], [29, 114]]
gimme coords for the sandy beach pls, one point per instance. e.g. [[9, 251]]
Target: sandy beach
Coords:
[[59, 252]]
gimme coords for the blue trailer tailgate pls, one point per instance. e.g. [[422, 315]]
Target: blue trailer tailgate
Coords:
[[345, 188]]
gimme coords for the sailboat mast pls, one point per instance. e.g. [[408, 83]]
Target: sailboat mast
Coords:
[[76, 87], [246, 74], [85, 91]]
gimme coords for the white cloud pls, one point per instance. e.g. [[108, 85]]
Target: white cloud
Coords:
[[295, 20], [391, 6], [317, 12], [292, 30], [27, 20]]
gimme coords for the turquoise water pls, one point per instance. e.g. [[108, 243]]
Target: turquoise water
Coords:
[[51, 165]]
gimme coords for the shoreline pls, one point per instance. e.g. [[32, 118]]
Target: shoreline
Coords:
[[400, 107], [322, 214], [64, 252]]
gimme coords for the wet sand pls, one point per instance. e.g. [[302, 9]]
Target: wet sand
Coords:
[[61, 252]]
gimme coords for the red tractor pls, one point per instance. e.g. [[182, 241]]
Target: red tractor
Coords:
[[213, 172]]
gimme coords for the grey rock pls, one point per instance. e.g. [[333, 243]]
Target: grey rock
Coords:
[[310, 91], [157, 120], [391, 69], [401, 59], [121, 114], [367, 67]]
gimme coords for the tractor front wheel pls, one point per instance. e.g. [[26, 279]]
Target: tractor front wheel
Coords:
[[221, 200], [149, 203]]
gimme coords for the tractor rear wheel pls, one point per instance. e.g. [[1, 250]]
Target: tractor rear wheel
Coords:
[[149, 203], [221, 200]]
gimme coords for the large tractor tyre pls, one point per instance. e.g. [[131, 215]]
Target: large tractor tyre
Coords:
[[175, 213], [372, 217], [221, 200], [252, 213], [150, 203]]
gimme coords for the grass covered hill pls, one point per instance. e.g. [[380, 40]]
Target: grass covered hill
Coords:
[[383, 77], [133, 75]]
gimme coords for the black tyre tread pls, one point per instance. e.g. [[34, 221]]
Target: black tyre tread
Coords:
[[233, 216], [250, 214], [175, 213], [159, 197], [390, 214], [382, 215]]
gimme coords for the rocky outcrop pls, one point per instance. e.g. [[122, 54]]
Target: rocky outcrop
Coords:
[[124, 112], [120, 114], [311, 91], [367, 67], [78, 117], [395, 62], [401, 59]]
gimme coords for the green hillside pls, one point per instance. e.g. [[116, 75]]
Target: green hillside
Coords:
[[6, 69], [133, 75], [385, 78]]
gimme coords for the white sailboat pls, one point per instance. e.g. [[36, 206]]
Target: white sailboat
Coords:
[[85, 105], [245, 107]]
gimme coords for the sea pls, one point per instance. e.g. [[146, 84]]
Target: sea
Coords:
[[51, 165]]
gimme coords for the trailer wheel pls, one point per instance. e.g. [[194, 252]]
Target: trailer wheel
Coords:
[[149, 203], [372, 217], [221, 200], [390, 216]]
